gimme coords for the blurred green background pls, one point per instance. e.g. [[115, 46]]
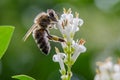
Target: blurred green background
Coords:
[[101, 30]]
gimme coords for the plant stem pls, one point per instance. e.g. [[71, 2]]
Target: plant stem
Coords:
[[69, 67], [69, 73]]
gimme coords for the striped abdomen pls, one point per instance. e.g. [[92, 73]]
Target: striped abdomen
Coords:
[[40, 36]]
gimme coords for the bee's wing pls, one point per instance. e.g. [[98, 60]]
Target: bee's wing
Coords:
[[29, 32]]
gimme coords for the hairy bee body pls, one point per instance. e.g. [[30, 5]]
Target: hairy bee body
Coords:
[[39, 29], [41, 38]]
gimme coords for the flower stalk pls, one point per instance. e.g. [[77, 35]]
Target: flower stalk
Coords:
[[68, 26]]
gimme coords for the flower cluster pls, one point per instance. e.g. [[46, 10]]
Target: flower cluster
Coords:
[[68, 25], [107, 70]]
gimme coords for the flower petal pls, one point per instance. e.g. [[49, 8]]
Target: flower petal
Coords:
[[82, 48], [55, 58], [62, 55], [78, 22], [116, 68], [59, 56]]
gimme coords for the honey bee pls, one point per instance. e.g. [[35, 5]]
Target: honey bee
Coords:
[[40, 30]]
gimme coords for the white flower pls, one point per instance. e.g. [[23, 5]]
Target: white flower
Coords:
[[77, 21], [116, 74], [105, 76], [79, 48], [67, 16], [108, 64], [116, 68], [69, 25], [108, 71], [102, 75], [103, 72], [59, 57], [97, 77]]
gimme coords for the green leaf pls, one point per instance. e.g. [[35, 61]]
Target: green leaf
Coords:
[[23, 77], [5, 37]]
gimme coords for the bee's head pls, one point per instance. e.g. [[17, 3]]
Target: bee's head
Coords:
[[52, 15]]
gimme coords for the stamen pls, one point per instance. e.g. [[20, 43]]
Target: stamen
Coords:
[[63, 25], [66, 22], [99, 63], [77, 41], [108, 59], [64, 11], [76, 14], [57, 50], [82, 42], [69, 11], [118, 61], [97, 71]]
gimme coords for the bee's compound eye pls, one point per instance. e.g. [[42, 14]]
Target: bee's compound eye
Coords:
[[51, 14]]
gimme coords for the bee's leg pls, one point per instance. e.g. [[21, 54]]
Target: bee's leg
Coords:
[[55, 38]]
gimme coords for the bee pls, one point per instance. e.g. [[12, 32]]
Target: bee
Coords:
[[40, 30]]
